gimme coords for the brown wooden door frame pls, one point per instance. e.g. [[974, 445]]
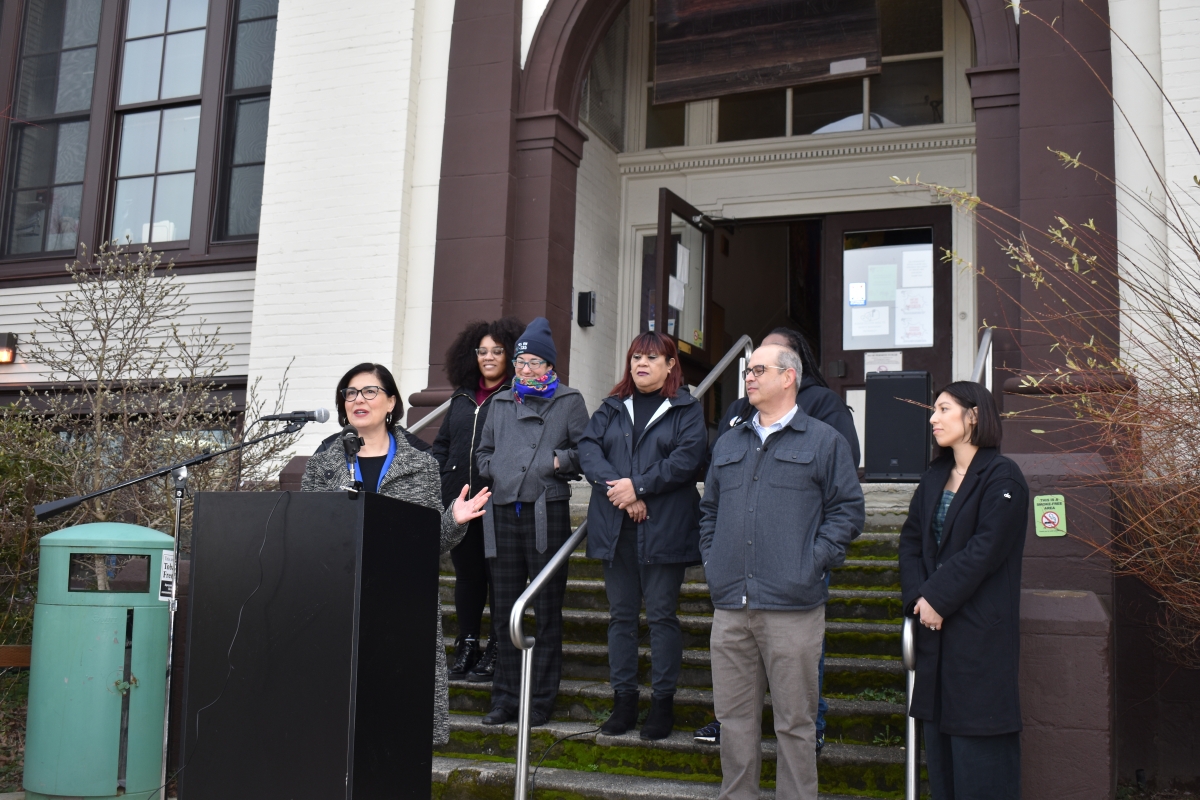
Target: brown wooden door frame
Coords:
[[937, 360], [670, 203]]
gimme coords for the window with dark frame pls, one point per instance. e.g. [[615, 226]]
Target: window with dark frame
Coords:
[[48, 132], [161, 66], [178, 164], [247, 107]]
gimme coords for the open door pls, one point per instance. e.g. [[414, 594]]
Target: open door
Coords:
[[682, 278]]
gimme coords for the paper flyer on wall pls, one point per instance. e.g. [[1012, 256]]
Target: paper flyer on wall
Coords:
[[917, 268], [683, 261], [914, 317], [676, 292], [870, 321]]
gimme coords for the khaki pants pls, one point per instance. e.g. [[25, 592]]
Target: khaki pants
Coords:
[[752, 650]]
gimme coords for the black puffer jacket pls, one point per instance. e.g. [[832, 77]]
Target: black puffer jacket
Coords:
[[817, 401], [457, 439], [663, 466]]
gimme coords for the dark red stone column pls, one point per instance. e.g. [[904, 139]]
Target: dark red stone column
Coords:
[[549, 149], [474, 256]]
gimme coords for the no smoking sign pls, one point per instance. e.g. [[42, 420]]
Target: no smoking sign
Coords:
[[1050, 515]]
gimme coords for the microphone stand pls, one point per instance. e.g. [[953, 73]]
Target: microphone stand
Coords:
[[179, 477]]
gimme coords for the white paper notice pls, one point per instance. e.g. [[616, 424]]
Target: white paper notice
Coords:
[[914, 317], [889, 361], [917, 269], [167, 576], [872, 321], [677, 291], [683, 260], [858, 294]]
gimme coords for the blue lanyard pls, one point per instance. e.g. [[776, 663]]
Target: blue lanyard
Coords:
[[387, 462]]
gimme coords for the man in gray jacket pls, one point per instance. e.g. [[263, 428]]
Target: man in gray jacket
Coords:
[[781, 504]]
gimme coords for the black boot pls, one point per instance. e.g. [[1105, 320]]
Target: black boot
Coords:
[[485, 670], [466, 655], [661, 719], [624, 714]]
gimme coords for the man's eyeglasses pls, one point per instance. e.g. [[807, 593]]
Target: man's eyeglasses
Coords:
[[758, 370], [483, 351], [531, 364], [368, 392]]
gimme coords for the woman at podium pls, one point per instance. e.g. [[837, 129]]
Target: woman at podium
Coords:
[[369, 401]]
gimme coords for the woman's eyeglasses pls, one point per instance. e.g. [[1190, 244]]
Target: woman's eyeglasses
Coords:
[[483, 351], [368, 392], [533, 363], [758, 370]]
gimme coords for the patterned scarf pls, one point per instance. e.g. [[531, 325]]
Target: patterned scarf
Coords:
[[537, 387]]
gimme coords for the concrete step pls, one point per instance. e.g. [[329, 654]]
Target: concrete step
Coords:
[[579, 746], [875, 639], [847, 604], [848, 721], [882, 547], [468, 779], [844, 677]]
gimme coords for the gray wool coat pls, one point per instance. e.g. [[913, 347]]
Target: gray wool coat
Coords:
[[517, 450], [412, 477]]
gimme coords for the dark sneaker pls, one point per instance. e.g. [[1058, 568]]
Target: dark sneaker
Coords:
[[466, 655], [820, 741], [709, 734], [500, 716], [485, 668]]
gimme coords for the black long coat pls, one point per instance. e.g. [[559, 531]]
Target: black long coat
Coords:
[[456, 441], [967, 671], [664, 467]]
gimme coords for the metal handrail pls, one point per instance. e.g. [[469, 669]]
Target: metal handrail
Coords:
[[745, 344], [516, 629], [982, 357], [908, 655], [430, 417]]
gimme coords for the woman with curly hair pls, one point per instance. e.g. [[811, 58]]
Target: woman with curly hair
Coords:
[[478, 365]]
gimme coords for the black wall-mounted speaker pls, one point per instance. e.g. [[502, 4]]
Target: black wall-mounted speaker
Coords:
[[586, 313], [897, 428]]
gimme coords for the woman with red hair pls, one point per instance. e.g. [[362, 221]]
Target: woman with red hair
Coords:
[[641, 454]]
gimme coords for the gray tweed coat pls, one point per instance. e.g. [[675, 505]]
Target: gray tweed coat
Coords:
[[412, 477]]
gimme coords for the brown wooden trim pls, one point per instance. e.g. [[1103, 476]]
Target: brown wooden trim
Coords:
[[234, 386], [936, 359], [15, 655]]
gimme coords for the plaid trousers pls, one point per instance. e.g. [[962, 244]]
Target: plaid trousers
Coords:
[[516, 563]]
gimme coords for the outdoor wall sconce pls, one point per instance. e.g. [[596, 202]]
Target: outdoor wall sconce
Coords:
[[8, 348]]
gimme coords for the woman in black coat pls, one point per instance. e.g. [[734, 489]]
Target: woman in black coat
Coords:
[[478, 365], [960, 572], [641, 454]]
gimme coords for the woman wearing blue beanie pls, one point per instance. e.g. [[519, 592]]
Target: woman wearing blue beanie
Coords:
[[528, 452]]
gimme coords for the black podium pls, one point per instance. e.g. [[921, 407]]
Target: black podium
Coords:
[[331, 691]]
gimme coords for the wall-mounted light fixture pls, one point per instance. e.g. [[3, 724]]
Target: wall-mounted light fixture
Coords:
[[8, 348]]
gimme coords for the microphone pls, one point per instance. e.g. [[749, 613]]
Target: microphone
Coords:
[[351, 444], [320, 415]]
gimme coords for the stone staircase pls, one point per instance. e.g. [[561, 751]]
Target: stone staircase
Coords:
[[864, 685]]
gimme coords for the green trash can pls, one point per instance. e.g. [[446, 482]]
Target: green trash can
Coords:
[[97, 678]]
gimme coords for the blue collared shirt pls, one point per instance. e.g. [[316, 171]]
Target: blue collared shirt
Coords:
[[779, 425]]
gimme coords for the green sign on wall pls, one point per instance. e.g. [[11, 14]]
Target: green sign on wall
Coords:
[[1050, 515]]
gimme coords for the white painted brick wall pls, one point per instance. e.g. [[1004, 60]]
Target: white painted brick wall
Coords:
[[426, 173], [333, 263], [595, 352], [217, 303], [1180, 28]]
